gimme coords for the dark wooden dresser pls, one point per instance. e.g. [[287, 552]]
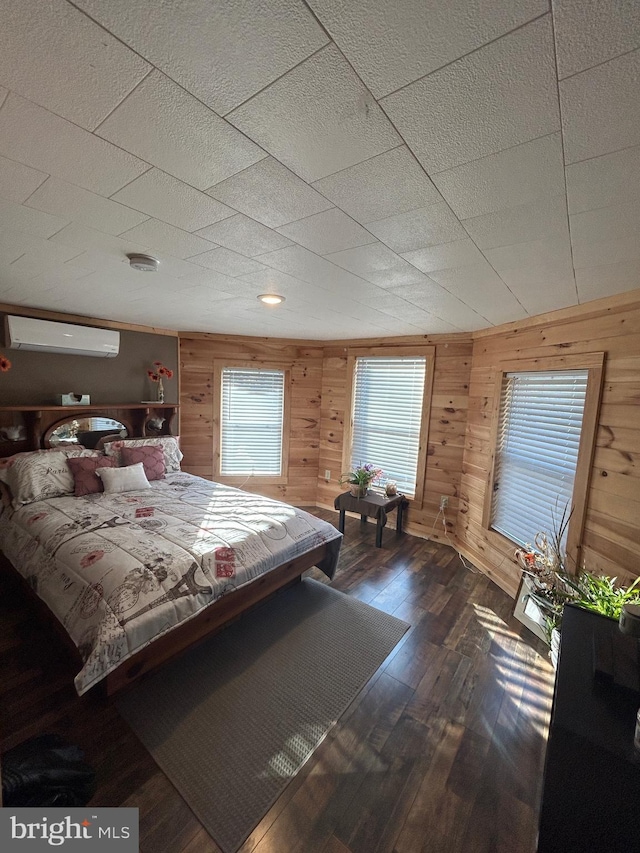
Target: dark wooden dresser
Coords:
[[591, 793]]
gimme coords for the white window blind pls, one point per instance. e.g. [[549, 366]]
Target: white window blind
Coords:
[[537, 451], [387, 415], [251, 424]]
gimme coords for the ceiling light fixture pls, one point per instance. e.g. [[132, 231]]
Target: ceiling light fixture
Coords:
[[144, 263], [271, 298]]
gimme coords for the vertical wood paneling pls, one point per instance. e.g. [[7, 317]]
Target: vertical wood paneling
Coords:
[[611, 543], [199, 420], [446, 431]]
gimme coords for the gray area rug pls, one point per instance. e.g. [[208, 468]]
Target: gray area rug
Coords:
[[233, 720]]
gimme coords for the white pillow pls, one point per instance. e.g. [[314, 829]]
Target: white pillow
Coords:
[[169, 444], [129, 479]]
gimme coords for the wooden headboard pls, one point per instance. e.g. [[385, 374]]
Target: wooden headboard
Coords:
[[38, 422]]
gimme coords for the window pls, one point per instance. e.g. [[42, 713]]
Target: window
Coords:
[[388, 403], [544, 432], [537, 451], [252, 422]]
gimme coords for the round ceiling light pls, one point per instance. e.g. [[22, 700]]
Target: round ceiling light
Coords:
[[271, 298], [144, 263]]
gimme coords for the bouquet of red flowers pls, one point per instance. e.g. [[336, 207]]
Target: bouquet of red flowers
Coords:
[[159, 373]]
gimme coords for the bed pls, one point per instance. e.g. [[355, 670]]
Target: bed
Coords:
[[137, 576]]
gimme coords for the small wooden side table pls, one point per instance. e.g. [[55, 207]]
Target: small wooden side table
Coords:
[[371, 505]]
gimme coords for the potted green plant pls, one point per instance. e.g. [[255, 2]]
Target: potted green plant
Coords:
[[360, 479], [550, 586]]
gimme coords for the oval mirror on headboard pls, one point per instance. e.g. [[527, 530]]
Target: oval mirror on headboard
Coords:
[[85, 431]]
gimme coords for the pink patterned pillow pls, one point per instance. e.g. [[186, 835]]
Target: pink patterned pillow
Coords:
[[84, 473], [151, 456]]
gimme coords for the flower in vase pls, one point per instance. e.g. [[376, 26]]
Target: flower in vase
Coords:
[[159, 373], [362, 476]]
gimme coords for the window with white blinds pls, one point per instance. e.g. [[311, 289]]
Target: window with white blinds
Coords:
[[251, 424], [387, 414], [537, 451]]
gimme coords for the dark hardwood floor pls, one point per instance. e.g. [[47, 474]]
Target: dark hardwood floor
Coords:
[[442, 751]]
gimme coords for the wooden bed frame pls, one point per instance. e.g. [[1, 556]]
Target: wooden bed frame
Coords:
[[204, 624], [39, 422]]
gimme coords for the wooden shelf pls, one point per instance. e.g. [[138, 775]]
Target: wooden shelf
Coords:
[[40, 421]]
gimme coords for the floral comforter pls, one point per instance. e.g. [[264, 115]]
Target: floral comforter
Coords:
[[119, 570]]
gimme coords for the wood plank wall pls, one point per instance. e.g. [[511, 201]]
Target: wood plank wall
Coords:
[[446, 428], [459, 452], [197, 417], [611, 539]]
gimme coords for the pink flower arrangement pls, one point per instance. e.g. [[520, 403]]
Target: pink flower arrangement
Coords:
[[159, 373]]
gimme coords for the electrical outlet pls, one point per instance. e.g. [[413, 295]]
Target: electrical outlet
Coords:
[[327, 474], [444, 501]]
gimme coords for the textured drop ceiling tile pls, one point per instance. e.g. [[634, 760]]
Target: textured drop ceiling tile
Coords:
[[606, 223], [18, 181], [166, 239], [318, 118], [540, 296], [418, 229], [553, 250], [501, 95], [77, 204], [206, 279], [3, 95], [520, 224], [393, 182], [620, 250], [392, 44], [589, 32], [270, 193], [107, 248], [599, 281], [307, 266], [482, 289], [520, 175], [604, 180], [244, 235], [42, 258], [54, 55], [375, 263], [390, 303], [601, 108], [552, 274], [42, 140], [432, 297], [165, 197], [329, 231], [222, 52], [457, 253], [13, 244], [227, 262], [396, 277], [17, 217], [168, 127]]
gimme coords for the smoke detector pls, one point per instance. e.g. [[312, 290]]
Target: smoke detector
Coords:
[[144, 263]]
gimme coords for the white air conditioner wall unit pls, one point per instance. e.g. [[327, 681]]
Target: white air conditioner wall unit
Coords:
[[48, 336]]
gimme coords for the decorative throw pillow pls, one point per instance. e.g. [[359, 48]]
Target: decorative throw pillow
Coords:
[[40, 475], [129, 479], [151, 456], [169, 444], [83, 470]]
